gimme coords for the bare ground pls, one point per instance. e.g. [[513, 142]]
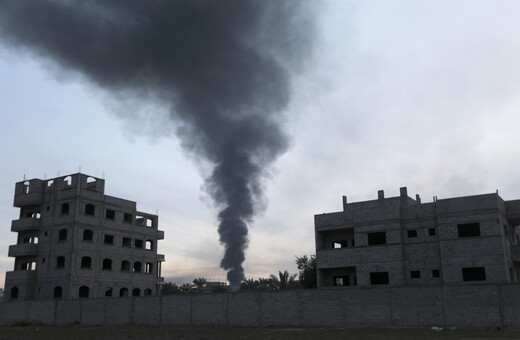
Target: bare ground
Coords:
[[200, 332]]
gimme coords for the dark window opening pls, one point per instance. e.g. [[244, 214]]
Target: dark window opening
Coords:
[[412, 233], [148, 268], [14, 293], [137, 267], [125, 266], [123, 292], [43, 260], [339, 244], [415, 274], [468, 229], [107, 264], [84, 291], [110, 214], [86, 262], [127, 218], [65, 209], [342, 280], [108, 292], [108, 239], [60, 262], [88, 235], [62, 235], [138, 243], [436, 273], [90, 209], [127, 242], [58, 291], [474, 274], [147, 292], [432, 232], [376, 238], [380, 278], [136, 292]]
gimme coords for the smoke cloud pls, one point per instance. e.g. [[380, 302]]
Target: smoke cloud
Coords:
[[217, 66]]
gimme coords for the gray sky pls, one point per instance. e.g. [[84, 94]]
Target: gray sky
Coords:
[[401, 93]]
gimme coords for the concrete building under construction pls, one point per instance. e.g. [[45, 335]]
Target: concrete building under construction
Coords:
[[400, 241], [76, 242]]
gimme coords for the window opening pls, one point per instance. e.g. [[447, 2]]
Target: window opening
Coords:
[[137, 267], [149, 245], [127, 242], [90, 209], [412, 233], [138, 243], [474, 274], [14, 293], [432, 232], [147, 292], [86, 262], [67, 181], [84, 291], [136, 292], [58, 291], [50, 183], [415, 274], [435, 273], [468, 229], [148, 268], [343, 280], [127, 218], [107, 264], [88, 235], [149, 222], [379, 278], [60, 262], [376, 238], [65, 209], [108, 239], [110, 214], [123, 292], [62, 235], [108, 291], [125, 266], [339, 244], [26, 187]]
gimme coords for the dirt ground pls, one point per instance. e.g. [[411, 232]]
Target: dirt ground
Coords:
[[199, 332]]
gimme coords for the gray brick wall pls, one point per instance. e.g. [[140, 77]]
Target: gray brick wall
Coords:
[[482, 305]]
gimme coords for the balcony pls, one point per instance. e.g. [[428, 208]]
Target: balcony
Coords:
[[515, 253], [24, 249], [25, 224], [24, 200], [160, 257], [20, 275]]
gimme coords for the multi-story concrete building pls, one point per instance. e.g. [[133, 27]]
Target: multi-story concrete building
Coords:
[[76, 242], [401, 241]]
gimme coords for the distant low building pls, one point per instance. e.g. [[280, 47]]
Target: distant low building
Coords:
[[76, 242], [401, 241]]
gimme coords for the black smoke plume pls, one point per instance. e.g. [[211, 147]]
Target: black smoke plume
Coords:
[[214, 64]]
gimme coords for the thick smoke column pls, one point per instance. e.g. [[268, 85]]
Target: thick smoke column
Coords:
[[211, 63]]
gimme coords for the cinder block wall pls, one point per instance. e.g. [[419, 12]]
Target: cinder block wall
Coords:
[[487, 305]]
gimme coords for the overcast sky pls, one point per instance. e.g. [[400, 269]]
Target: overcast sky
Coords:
[[397, 93]]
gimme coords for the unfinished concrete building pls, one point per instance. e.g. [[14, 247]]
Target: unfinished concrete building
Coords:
[[76, 242], [401, 241]]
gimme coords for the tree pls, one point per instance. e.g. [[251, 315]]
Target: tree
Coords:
[[307, 267], [169, 288], [249, 285], [186, 287], [199, 282], [283, 281]]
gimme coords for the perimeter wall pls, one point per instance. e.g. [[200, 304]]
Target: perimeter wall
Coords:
[[469, 305]]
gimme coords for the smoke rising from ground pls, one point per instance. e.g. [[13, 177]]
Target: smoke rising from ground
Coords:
[[213, 64]]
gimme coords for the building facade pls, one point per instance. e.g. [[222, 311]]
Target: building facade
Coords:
[[401, 241], [76, 242]]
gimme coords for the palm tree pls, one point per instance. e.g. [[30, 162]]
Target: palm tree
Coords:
[[249, 284], [169, 288], [283, 281], [186, 287], [199, 282]]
